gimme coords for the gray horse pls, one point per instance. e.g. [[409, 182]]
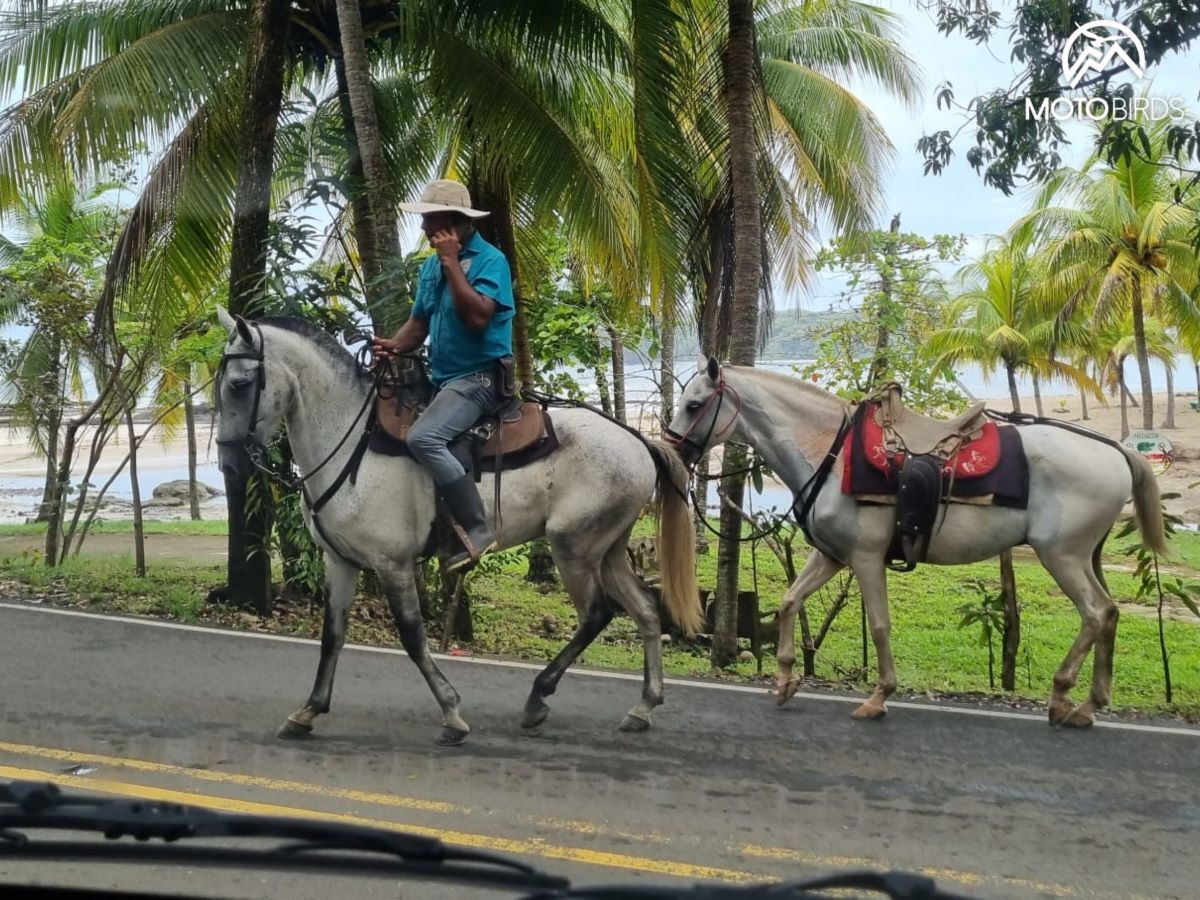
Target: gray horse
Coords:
[[584, 498], [1078, 488]]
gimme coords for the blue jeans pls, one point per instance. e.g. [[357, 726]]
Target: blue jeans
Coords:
[[456, 406]]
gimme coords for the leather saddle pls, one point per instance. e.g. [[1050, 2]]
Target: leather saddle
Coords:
[[405, 390], [920, 435], [920, 451]]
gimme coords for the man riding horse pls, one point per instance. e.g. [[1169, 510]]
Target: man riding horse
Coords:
[[464, 306]]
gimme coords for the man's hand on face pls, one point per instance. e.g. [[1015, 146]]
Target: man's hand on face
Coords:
[[447, 245]]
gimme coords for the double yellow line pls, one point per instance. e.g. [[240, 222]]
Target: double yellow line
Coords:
[[517, 846]]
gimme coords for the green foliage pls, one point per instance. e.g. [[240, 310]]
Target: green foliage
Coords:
[[1011, 147], [570, 311], [1150, 585], [986, 612], [894, 298]]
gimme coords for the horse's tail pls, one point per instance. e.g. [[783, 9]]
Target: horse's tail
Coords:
[[1147, 502], [676, 540]]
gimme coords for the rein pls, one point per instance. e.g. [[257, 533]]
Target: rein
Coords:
[[255, 449]]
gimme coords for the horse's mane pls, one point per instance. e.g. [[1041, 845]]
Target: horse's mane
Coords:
[[791, 383], [337, 355]]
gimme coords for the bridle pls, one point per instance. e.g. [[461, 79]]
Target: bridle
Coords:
[[803, 500], [256, 449], [250, 443], [686, 440]]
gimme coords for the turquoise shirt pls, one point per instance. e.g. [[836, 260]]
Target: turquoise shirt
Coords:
[[455, 349]]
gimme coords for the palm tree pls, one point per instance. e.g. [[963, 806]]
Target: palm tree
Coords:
[[1117, 342], [994, 322], [756, 105], [1118, 243], [167, 75], [49, 277]]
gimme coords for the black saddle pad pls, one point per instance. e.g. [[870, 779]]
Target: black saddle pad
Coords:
[[1008, 483]]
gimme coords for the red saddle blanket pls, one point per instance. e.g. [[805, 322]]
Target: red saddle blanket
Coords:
[[974, 459], [993, 465]]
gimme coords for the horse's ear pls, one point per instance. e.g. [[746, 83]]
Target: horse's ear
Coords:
[[243, 330], [226, 320], [714, 369]]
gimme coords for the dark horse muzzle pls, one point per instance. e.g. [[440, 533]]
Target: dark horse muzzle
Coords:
[[235, 456]]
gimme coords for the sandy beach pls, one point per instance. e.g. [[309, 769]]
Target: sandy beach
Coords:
[[163, 457]]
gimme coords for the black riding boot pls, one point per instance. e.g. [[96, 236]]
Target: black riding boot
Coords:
[[466, 508]]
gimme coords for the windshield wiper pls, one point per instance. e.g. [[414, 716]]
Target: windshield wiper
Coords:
[[316, 845], [894, 885], [351, 849]]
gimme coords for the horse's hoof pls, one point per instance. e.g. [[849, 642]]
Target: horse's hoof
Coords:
[[869, 710], [290, 730], [632, 723], [1079, 717], [1060, 712], [535, 716], [450, 736], [786, 690]]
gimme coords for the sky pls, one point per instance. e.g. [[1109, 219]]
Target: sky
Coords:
[[958, 201]]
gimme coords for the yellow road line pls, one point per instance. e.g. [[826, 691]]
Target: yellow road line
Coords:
[[533, 846], [257, 781], [301, 787], [786, 854], [516, 846]]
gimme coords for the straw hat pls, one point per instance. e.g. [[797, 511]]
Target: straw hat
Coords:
[[444, 195]]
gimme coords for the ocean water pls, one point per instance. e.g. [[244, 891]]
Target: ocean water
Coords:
[[642, 389]]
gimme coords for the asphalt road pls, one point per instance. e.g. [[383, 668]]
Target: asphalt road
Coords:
[[725, 786]]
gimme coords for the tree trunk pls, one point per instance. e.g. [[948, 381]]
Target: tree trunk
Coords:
[[62, 480], [1037, 394], [139, 528], [189, 415], [1128, 394], [667, 364], [724, 643], [541, 564], [1125, 397], [362, 218], [260, 118], [700, 504], [740, 69], [54, 414], [1196, 365], [369, 142], [1012, 622], [1083, 404], [1169, 421], [494, 195], [249, 574], [1013, 393], [1143, 358], [601, 373], [618, 367], [879, 363]]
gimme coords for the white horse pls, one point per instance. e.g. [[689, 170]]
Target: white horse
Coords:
[[1078, 488], [584, 498]]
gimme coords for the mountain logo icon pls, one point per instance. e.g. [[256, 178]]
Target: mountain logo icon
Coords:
[[1097, 46]]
